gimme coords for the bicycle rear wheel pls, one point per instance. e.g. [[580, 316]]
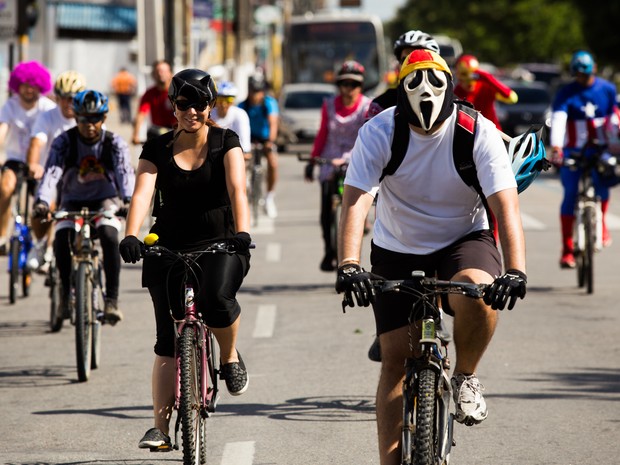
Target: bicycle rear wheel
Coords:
[[83, 320], [588, 253], [425, 435], [53, 282], [193, 418], [13, 269]]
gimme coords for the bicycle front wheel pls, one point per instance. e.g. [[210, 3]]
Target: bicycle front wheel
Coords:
[[83, 320], [13, 269], [590, 230], [193, 418], [425, 439], [97, 317]]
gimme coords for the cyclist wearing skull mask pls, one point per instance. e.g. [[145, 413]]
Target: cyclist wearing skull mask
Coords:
[[444, 232]]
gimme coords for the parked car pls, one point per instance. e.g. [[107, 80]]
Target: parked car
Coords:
[[300, 111], [532, 108]]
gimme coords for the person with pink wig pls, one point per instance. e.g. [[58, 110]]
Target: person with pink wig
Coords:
[[28, 83]]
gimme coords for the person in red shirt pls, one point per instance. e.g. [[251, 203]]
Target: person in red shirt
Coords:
[[155, 101], [481, 88]]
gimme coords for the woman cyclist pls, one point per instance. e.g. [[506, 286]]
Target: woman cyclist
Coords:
[[341, 118], [198, 174]]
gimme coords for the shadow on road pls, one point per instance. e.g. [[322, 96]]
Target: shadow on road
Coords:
[[329, 409], [591, 383]]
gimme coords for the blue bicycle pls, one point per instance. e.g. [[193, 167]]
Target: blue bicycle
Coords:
[[20, 242]]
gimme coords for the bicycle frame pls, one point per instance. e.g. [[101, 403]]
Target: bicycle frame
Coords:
[[208, 396]]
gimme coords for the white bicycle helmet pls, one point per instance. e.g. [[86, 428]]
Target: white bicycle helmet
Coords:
[[415, 39], [528, 156], [227, 89], [69, 83]]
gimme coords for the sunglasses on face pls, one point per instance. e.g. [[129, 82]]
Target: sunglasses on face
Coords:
[[93, 119], [349, 84], [226, 99], [185, 105]]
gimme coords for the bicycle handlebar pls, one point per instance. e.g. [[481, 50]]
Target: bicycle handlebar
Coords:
[[420, 285], [215, 247]]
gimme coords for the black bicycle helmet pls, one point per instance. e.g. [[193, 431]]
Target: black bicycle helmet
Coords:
[[415, 39], [257, 82], [193, 84]]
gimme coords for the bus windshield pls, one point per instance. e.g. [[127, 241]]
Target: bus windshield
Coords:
[[317, 48]]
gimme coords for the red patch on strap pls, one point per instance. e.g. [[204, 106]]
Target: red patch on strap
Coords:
[[466, 121]]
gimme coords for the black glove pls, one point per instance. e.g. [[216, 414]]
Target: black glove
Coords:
[[512, 284], [124, 208], [131, 249], [309, 171], [241, 242], [40, 209], [355, 281]]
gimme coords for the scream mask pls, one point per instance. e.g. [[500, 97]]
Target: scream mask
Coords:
[[425, 92]]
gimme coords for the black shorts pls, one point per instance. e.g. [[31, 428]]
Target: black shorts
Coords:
[[476, 250], [218, 277]]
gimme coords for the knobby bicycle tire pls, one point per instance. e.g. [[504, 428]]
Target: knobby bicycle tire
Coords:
[[96, 306], [590, 227], [53, 281], [193, 420], [425, 441], [14, 270], [406, 442], [212, 360], [83, 320]]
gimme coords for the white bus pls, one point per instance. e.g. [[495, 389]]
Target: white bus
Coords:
[[315, 46]]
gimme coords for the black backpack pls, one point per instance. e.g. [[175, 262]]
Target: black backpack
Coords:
[[462, 146], [106, 150]]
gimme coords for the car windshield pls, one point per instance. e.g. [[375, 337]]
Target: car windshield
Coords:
[[532, 95], [305, 100]]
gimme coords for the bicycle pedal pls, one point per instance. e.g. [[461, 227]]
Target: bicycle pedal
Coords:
[[164, 448]]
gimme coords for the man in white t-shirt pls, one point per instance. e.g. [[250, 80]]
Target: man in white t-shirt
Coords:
[[28, 82], [428, 219], [49, 125], [229, 116]]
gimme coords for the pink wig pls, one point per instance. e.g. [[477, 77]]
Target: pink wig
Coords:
[[32, 73]]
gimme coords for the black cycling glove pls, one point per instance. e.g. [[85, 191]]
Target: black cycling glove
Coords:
[[131, 249], [511, 285], [309, 171], [355, 281], [241, 242]]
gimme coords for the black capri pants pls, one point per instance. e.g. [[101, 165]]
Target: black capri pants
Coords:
[[392, 309], [216, 278]]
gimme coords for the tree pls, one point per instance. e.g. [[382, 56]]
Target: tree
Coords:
[[501, 32]]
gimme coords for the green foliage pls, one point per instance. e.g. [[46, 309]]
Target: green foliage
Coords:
[[505, 32]]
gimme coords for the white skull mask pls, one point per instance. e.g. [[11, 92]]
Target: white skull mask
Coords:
[[426, 92]]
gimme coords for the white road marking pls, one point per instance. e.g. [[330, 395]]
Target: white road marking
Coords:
[[265, 321], [613, 222], [238, 453], [273, 252]]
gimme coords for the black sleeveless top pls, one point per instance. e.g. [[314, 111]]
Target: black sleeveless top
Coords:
[[192, 207]]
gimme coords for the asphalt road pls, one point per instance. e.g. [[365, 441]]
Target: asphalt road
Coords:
[[552, 372]]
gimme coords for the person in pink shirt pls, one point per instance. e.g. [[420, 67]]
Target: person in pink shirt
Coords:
[[341, 118]]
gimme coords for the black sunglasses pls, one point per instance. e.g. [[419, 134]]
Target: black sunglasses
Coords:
[[185, 105], [92, 119], [349, 84]]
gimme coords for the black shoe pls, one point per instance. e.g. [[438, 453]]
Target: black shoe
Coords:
[[155, 440], [236, 376], [374, 353], [111, 313], [328, 263]]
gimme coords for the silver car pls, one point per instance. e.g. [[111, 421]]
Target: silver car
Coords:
[[300, 111]]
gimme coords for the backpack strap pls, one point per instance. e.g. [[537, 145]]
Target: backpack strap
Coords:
[[463, 150], [400, 143]]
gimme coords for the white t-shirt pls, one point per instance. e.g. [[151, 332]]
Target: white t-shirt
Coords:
[[237, 120], [425, 205], [49, 125], [20, 124]]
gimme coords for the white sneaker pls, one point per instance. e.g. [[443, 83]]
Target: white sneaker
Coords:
[[471, 408], [270, 207]]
